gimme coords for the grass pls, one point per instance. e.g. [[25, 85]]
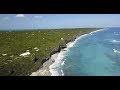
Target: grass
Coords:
[[15, 43]]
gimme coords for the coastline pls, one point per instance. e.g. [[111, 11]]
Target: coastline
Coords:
[[46, 70]]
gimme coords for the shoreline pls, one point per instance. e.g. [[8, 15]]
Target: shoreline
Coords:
[[45, 70]]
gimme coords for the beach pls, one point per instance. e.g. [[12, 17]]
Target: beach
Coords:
[[45, 70]]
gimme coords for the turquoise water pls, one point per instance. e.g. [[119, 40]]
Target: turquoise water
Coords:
[[97, 54]]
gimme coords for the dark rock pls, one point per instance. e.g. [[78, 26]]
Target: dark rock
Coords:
[[64, 50], [53, 61], [78, 35], [62, 46], [57, 49], [72, 39], [46, 59], [35, 59], [29, 48], [11, 72], [67, 41]]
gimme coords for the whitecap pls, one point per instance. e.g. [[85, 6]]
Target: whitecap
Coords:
[[59, 61], [54, 72], [62, 72], [116, 51], [63, 63], [56, 65], [115, 41]]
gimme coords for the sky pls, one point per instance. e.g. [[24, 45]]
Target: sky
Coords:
[[52, 21]]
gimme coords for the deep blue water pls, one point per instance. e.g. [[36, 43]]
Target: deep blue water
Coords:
[[97, 54]]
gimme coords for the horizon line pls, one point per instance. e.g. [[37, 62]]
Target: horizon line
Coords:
[[55, 28]]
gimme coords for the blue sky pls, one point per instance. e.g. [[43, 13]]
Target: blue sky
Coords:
[[49, 21]]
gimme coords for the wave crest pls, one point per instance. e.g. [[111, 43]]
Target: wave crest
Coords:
[[115, 41], [60, 62], [116, 51]]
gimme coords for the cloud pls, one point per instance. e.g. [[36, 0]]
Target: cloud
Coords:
[[38, 16], [6, 18], [20, 15]]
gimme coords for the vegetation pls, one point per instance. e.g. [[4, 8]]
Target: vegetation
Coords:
[[38, 42]]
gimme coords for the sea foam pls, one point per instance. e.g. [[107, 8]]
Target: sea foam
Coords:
[[116, 51], [55, 68], [115, 41]]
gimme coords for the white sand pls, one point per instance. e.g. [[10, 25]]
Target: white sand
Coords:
[[44, 71]]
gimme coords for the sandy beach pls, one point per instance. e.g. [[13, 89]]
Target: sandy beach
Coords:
[[44, 71]]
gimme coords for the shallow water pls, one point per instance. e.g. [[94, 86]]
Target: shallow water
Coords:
[[96, 54]]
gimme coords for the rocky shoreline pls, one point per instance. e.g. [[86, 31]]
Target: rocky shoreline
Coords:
[[59, 48], [50, 59]]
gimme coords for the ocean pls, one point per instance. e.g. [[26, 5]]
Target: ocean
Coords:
[[93, 54]]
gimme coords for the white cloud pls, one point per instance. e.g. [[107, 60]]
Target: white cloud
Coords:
[[38, 16], [6, 18], [20, 15]]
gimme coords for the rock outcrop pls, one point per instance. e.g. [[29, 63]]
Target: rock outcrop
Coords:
[[55, 50], [58, 48], [46, 59], [72, 39], [35, 59], [11, 72]]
